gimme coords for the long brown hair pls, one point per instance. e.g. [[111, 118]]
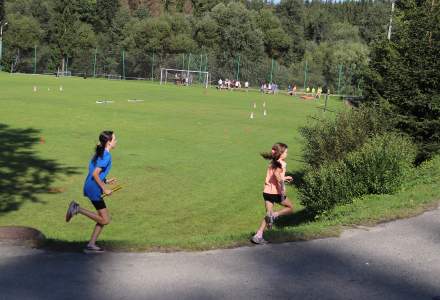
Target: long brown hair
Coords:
[[274, 155]]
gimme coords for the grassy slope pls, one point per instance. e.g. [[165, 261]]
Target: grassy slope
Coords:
[[188, 160]]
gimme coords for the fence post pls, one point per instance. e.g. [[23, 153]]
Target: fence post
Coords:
[[152, 68], [183, 61], [35, 59], [238, 67], [189, 61], [1, 51], [271, 71], [305, 76], [123, 64], [200, 68], [339, 79], [94, 62], [326, 100]]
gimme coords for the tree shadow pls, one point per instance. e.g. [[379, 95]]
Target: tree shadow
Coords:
[[57, 245], [24, 175], [297, 218]]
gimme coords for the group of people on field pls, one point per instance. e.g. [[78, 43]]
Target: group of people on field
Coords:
[[182, 79], [231, 84], [268, 87], [315, 93], [97, 186]]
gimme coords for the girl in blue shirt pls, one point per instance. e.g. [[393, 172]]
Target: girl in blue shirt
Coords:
[[94, 188]]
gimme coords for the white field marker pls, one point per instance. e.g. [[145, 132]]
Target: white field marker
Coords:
[[265, 113], [35, 88], [252, 115], [103, 101]]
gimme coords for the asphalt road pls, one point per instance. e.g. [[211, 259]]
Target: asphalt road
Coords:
[[398, 260]]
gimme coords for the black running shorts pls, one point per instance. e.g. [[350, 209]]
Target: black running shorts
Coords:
[[99, 204], [273, 198]]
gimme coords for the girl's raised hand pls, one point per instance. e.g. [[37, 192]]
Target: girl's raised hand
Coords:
[[288, 178]]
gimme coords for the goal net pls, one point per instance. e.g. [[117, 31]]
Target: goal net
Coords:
[[184, 77], [65, 73]]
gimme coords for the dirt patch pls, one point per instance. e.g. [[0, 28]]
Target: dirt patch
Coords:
[[56, 190], [21, 235], [153, 168]]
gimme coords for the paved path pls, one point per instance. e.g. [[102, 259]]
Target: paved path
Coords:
[[398, 260]]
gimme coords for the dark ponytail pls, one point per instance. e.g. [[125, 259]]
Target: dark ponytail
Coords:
[[104, 137], [274, 155]]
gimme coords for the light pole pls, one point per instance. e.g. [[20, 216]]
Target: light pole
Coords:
[[391, 19], [1, 41]]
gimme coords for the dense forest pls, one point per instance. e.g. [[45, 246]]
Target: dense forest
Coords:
[[310, 43]]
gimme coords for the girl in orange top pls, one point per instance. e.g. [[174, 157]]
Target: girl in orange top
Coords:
[[274, 189]]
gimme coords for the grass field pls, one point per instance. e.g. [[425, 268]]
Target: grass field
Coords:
[[188, 158]]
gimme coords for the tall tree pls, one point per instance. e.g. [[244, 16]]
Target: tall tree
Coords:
[[291, 14], [276, 41], [404, 74], [106, 10], [2, 10]]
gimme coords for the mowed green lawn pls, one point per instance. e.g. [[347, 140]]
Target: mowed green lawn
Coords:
[[188, 158]]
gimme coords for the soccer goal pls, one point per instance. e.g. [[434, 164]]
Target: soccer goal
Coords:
[[184, 77], [65, 73]]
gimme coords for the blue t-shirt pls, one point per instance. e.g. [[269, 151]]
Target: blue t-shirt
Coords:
[[91, 189]]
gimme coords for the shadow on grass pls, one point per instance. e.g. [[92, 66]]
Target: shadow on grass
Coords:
[[301, 216], [24, 175], [297, 218]]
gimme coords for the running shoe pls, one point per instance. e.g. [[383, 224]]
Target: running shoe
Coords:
[[258, 240], [72, 210], [93, 249]]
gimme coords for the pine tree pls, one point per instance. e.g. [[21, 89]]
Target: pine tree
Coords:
[[404, 77]]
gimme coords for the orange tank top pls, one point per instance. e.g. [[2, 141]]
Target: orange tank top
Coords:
[[271, 184]]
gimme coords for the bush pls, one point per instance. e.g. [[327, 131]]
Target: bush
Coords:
[[327, 186], [383, 163], [426, 173], [380, 166], [332, 139]]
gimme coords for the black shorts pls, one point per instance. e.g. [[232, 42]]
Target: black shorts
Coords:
[[99, 204], [274, 198]]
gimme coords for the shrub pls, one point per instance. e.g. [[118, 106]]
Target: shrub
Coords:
[[426, 173], [380, 166], [383, 163], [331, 139], [326, 187]]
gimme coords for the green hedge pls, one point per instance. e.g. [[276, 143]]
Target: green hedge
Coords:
[[380, 166], [331, 139]]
